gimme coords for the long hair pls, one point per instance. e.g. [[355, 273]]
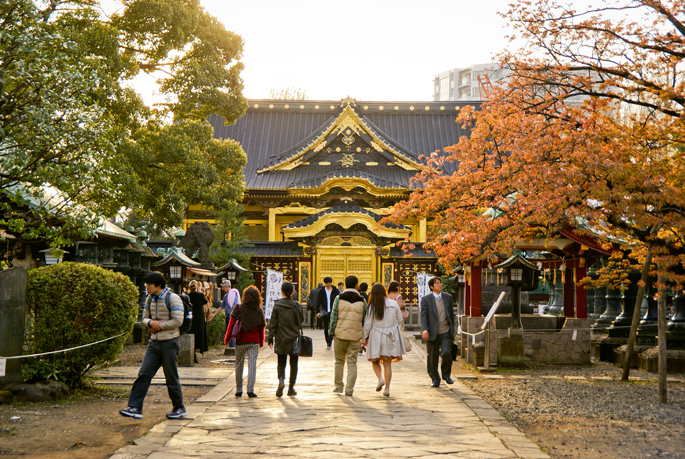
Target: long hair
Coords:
[[377, 301], [252, 298]]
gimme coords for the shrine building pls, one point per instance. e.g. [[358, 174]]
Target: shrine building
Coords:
[[321, 175]]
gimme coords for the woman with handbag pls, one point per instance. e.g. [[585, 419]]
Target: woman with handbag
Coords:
[[247, 327], [284, 327], [382, 335]]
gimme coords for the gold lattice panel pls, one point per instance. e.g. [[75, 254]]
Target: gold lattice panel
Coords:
[[333, 265], [354, 266], [333, 240], [407, 274], [361, 241]]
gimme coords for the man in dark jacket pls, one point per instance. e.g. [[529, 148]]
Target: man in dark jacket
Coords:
[[314, 321], [437, 325], [327, 296], [284, 326]]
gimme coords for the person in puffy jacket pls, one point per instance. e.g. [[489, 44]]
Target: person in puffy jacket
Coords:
[[284, 327], [248, 339]]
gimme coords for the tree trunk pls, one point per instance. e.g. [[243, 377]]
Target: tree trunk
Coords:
[[636, 315], [661, 337]]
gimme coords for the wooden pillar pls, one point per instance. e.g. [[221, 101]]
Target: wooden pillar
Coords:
[[422, 230], [569, 293], [475, 291], [467, 299], [581, 295], [272, 224]]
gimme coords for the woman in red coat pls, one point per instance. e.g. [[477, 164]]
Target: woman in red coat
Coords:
[[249, 338]]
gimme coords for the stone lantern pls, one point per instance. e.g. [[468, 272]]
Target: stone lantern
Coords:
[[521, 275]]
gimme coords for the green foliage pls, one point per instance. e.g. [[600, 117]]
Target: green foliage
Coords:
[[72, 304], [70, 120], [216, 329]]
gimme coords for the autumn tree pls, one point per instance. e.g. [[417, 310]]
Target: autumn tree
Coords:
[[588, 133], [70, 121]]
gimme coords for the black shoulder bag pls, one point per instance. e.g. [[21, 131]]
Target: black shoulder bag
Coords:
[[302, 345]]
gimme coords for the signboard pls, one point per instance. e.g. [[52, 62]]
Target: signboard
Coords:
[[274, 281], [493, 310], [422, 288]]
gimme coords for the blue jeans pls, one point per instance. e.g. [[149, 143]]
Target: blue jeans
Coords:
[[158, 354]]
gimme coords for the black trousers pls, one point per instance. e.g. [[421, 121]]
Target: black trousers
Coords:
[[282, 359], [312, 319], [326, 333], [440, 347]]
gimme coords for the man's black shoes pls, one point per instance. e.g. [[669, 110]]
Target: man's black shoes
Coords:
[[281, 385], [178, 413], [131, 412], [435, 384], [449, 380]]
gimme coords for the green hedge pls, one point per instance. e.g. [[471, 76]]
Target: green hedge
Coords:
[[71, 304], [216, 329]]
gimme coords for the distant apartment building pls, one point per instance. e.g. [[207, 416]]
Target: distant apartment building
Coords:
[[461, 84]]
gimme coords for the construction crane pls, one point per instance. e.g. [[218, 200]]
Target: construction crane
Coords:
[[485, 86]]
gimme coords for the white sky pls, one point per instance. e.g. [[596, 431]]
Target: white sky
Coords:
[[369, 50]]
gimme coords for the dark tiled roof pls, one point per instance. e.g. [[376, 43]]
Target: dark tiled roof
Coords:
[[417, 252], [270, 136], [350, 207], [317, 181], [273, 249]]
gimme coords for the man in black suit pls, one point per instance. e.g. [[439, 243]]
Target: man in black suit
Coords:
[[312, 302], [325, 304], [437, 325]]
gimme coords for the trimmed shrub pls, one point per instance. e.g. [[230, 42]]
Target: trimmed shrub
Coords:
[[216, 329], [72, 304]]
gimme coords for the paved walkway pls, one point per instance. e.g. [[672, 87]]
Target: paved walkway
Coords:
[[416, 421]]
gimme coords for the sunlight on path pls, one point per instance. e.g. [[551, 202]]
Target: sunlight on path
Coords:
[[416, 421]]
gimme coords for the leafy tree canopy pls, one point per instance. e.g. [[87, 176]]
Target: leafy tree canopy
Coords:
[[587, 133], [71, 124]]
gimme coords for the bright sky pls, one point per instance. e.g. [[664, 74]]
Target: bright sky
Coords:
[[366, 49]]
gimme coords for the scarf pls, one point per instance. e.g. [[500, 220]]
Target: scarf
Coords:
[[250, 315]]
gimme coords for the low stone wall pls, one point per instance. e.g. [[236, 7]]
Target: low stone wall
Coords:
[[547, 345]]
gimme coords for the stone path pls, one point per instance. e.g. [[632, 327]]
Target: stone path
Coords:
[[416, 421]]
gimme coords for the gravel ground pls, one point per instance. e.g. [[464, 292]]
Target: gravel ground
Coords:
[[588, 418]]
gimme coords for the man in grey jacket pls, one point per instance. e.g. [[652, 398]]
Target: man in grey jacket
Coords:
[[437, 325], [162, 349]]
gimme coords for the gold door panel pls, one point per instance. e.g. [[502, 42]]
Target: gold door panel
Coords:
[[340, 262]]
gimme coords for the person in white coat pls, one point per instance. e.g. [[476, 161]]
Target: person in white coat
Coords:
[[383, 335]]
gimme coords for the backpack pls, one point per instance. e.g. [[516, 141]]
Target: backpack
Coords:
[[187, 311]]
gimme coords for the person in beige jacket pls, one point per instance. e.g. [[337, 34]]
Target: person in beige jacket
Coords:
[[347, 326], [163, 315]]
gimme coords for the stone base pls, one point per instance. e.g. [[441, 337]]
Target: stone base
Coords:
[[510, 351], [620, 353], [604, 346], [649, 361], [186, 357], [477, 354]]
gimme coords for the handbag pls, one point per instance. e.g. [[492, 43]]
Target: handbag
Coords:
[[236, 327], [302, 345], [407, 344]]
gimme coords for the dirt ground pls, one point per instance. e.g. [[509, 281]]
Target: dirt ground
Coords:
[[89, 427]]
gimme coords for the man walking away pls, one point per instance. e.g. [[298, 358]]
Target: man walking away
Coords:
[[437, 323], [163, 318], [363, 288], [347, 327], [325, 301], [311, 306]]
